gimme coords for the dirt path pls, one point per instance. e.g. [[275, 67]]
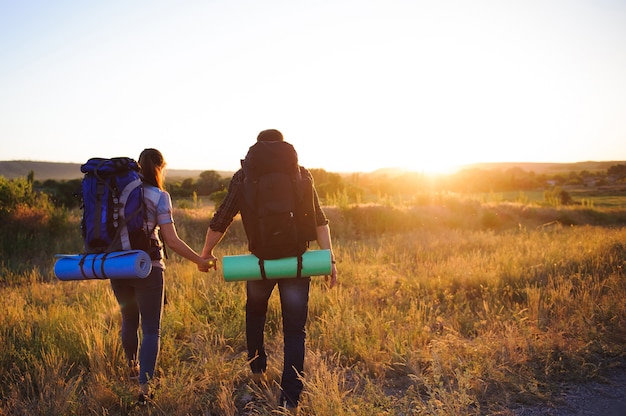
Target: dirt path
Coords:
[[601, 398]]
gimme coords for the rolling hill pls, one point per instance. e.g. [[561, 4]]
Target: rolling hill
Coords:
[[64, 171]]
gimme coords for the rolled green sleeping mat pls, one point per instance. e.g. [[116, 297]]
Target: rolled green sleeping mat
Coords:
[[246, 266]]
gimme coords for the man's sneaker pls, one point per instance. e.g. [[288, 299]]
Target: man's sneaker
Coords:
[[290, 407]]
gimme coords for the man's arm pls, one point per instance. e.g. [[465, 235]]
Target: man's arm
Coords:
[[223, 218], [211, 240], [325, 242]]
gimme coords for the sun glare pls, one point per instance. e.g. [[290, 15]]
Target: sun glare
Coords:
[[436, 168]]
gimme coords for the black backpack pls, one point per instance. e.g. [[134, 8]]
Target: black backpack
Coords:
[[276, 202]]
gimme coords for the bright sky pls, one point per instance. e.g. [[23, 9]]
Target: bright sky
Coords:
[[353, 85]]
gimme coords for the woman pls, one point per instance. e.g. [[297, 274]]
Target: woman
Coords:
[[142, 299]]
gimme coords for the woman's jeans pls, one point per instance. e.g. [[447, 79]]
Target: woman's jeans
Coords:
[[294, 301], [141, 298]]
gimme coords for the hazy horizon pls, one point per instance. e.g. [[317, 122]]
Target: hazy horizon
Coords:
[[11, 168]]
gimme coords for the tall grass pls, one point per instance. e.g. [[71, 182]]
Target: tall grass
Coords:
[[443, 307]]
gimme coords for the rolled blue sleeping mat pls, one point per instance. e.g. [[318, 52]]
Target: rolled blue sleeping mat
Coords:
[[247, 267], [115, 265]]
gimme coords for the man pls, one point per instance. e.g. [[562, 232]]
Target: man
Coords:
[[294, 292]]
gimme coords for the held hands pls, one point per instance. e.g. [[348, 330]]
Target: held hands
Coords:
[[207, 264]]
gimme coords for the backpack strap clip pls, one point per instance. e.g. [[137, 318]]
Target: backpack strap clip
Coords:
[[262, 267], [299, 273]]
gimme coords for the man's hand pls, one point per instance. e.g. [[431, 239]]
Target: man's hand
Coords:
[[331, 279]]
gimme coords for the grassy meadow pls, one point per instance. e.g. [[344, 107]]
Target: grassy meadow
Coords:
[[445, 306]]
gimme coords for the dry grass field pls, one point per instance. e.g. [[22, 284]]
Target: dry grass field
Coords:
[[447, 307]]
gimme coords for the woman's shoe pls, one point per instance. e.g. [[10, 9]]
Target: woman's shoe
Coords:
[[145, 395], [133, 372], [144, 398]]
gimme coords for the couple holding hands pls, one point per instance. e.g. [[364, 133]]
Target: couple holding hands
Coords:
[[141, 300]]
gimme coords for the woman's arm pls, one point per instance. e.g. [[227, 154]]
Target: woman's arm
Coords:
[[173, 241]]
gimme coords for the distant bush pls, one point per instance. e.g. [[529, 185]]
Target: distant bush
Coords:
[[62, 193], [15, 192], [557, 196], [31, 226]]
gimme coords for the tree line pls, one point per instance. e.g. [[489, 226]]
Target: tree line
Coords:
[[356, 186]]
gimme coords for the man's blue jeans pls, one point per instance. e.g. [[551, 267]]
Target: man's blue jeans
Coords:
[[294, 301]]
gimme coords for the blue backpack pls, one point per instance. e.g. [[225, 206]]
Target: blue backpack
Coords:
[[114, 213]]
